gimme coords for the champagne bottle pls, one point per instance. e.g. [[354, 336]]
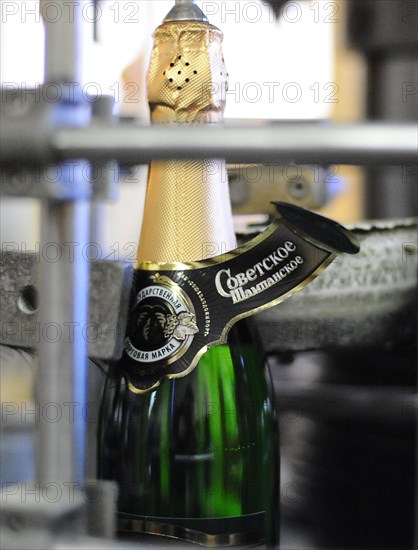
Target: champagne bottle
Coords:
[[196, 458]]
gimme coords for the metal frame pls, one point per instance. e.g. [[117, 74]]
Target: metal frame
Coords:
[[304, 143], [28, 518]]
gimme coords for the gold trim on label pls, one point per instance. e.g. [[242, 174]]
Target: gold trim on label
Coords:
[[149, 527], [217, 260]]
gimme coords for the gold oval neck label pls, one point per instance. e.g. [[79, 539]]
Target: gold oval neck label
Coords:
[[164, 323]]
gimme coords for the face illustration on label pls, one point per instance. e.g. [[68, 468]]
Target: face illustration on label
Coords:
[[163, 323]]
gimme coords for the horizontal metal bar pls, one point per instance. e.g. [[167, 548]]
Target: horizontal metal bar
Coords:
[[305, 143]]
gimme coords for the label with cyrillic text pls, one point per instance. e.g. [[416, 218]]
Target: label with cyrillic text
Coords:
[[180, 310]]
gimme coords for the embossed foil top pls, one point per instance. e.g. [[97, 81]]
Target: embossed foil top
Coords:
[[188, 213], [187, 77]]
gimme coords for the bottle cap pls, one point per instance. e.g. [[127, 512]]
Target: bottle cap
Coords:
[[186, 10]]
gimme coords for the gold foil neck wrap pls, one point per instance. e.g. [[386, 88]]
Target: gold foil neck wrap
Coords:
[[187, 78], [187, 213]]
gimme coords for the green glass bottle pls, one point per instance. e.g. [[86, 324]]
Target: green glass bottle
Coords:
[[197, 457]]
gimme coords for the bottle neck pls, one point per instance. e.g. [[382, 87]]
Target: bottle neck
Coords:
[[187, 212], [187, 207]]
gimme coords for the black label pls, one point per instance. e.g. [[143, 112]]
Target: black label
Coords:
[[180, 310]]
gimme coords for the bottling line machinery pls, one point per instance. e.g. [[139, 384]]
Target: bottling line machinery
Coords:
[[348, 441]]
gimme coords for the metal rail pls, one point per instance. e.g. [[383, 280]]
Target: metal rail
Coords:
[[304, 143], [63, 291], [299, 142]]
